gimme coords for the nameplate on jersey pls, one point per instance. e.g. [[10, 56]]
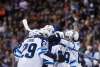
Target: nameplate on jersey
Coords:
[[30, 40]]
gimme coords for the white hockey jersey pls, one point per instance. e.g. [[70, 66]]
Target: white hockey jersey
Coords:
[[72, 52], [32, 53]]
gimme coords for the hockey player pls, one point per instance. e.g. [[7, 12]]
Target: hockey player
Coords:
[[56, 49], [72, 45], [66, 48], [33, 49]]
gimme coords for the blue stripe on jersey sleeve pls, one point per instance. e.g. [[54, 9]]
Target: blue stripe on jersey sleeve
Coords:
[[42, 49], [47, 62], [72, 66], [18, 55], [72, 61], [17, 52]]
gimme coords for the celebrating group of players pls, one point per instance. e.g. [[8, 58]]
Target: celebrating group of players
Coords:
[[46, 47]]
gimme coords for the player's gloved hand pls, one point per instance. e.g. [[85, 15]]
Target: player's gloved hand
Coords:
[[54, 39], [61, 57]]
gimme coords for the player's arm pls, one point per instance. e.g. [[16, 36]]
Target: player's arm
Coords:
[[44, 54], [18, 50], [17, 53], [57, 57], [67, 43]]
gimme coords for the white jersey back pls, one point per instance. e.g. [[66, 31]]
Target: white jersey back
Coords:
[[30, 49], [72, 51]]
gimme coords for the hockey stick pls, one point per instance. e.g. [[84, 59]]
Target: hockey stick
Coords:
[[24, 21]]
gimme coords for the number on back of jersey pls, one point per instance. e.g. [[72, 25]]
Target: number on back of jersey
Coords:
[[28, 49], [31, 50]]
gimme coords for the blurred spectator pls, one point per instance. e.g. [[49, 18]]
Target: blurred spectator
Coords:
[[2, 27], [23, 5], [2, 11]]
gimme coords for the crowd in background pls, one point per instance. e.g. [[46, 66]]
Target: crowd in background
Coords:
[[81, 15]]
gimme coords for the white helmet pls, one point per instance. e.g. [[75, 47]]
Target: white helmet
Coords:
[[72, 34], [47, 30], [34, 32]]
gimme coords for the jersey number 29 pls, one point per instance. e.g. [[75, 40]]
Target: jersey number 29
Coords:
[[31, 50]]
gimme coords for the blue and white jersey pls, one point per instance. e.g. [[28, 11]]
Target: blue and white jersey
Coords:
[[31, 53], [71, 52]]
